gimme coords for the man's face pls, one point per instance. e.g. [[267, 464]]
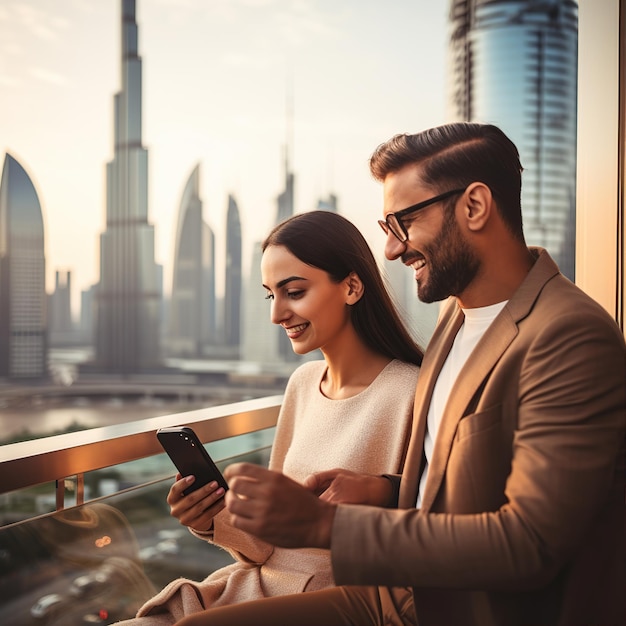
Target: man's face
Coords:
[[442, 260]]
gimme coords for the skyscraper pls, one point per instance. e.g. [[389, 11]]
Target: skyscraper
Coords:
[[285, 209], [60, 323], [327, 204], [232, 284], [192, 310], [284, 201], [260, 339], [128, 294], [23, 333], [86, 325], [514, 63]]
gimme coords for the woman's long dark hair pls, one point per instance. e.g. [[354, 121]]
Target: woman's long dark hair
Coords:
[[331, 243]]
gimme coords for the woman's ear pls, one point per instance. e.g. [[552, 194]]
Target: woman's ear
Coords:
[[355, 288]]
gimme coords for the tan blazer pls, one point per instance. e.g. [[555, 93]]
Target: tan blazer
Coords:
[[522, 520]]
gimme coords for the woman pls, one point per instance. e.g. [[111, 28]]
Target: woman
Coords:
[[352, 409]]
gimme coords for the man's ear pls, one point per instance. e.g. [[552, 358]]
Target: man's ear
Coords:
[[478, 206], [355, 288]]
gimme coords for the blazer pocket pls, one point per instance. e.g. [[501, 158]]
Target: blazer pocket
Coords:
[[478, 422], [478, 465]]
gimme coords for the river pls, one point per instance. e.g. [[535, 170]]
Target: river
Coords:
[[47, 418]]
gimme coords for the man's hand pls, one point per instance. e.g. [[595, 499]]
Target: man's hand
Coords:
[[344, 486], [277, 509], [197, 509]]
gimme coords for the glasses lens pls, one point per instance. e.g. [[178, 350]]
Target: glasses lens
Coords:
[[393, 224], [395, 227]]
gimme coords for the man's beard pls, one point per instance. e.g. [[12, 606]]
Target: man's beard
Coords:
[[452, 265]]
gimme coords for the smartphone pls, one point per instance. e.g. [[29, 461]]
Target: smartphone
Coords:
[[189, 456]]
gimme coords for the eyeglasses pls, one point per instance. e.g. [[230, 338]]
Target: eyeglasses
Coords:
[[394, 221]]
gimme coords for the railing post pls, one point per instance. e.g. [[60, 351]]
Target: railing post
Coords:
[[60, 494], [78, 487]]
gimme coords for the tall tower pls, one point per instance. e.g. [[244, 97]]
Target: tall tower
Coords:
[[128, 294], [23, 333], [192, 314], [513, 63], [260, 339], [232, 284], [209, 306], [60, 323], [284, 201], [328, 204], [285, 206]]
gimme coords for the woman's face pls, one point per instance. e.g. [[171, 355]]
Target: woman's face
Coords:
[[311, 308]]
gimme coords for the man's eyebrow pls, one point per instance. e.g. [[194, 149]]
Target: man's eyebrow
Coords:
[[284, 281]]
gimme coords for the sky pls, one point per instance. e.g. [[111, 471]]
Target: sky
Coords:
[[231, 85]]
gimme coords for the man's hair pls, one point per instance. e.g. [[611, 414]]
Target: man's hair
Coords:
[[455, 155]]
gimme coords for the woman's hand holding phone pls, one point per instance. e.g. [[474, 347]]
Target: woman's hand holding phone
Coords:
[[197, 509], [197, 496]]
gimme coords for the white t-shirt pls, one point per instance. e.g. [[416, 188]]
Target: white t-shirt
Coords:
[[474, 326]]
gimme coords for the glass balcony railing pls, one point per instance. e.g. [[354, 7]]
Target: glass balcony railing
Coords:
[[86, 534]]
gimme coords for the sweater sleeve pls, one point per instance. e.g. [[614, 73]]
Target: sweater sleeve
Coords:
[[241, 545]]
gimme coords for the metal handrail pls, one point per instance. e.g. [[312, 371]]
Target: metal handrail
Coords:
[[55, 458]]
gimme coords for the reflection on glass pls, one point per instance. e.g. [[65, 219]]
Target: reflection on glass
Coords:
[[98, 563]]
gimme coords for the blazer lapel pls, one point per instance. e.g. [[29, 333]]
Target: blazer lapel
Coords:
[[438, 349], [487, 352], [489, 349]]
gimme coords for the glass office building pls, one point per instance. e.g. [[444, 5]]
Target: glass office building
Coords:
[[513, 63], [23, 332]]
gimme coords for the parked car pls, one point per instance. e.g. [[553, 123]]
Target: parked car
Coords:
[[88, 582], [47, 606]]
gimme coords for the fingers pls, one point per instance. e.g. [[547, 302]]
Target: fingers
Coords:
[[198, 508], [251, 497], [249, 470], [255, 492], [251, 484], [278, 510], [176, 490], [318, 483]]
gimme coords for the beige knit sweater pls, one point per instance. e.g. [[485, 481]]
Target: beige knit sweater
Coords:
[[365, 433]]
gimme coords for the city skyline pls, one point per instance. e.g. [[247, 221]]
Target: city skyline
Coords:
[[226, 86]]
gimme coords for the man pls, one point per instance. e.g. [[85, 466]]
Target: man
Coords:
[[510, 509]]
